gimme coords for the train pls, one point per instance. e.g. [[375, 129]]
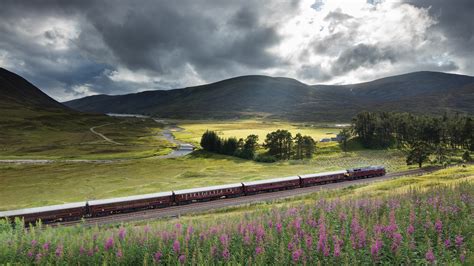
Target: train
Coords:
[[103, 207]]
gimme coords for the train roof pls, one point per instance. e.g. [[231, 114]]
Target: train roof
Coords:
[[323, 174], [201, 189], [130, 198], [372, 167], [20, 212], [273, 180]]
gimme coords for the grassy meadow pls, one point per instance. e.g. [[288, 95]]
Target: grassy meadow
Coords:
[[70, 138], [422, 220], [142, 172]]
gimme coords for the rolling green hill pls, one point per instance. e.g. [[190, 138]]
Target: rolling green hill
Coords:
[[254, 96]]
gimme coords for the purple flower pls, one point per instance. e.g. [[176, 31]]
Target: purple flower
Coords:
[[279, 227], [182, 259], [46, 246], [290, 246], [34, 242], [309, 241], [59, 251], [176, 246], [226, 254], [82, 250], [178, 226], [109, 243], [410, 229], [30, 254], [396, 241], [157, 256], [458, 240], [447, 243], [258, 250], [376, 246], [224, 240], [296, 255], [429, 256], [119, 253], [337, 247], [439, 226], [122, 233], [38, 257]]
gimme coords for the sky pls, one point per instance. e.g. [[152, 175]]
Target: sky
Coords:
[[76, 48]]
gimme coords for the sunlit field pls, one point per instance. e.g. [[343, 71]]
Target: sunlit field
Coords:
[[420, 223], [242, 128]]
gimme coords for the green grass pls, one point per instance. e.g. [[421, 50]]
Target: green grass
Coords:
[[60, 182], [57, 183], [67, 136]]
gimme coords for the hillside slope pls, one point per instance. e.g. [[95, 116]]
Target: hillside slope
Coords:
[[418, 92]]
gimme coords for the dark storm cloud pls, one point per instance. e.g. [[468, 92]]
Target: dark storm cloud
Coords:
[[361, 55], [455, 20], [158, 38]]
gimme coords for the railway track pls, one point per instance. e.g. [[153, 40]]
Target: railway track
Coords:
[[200, 207]]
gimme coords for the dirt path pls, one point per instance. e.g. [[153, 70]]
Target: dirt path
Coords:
[[92, 129]]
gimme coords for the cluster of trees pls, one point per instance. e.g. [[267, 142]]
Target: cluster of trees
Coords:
[[421, 136], [381, 130], [211, 142], [283, 146], [280, 145]]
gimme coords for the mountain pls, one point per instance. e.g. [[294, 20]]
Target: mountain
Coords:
[[30, 117], [418, 92], [17, 92]]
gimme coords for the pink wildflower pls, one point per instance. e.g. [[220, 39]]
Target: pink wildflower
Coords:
[[447, 243], [226, 254], [396, 241], [410, 229], [46, 246], [224, 240], [59, 251], [109, 243], [375, 249], [34, 242], [157, 256], [296, 255], [429, 256], [182, 259], [439, 226], [176, 246], [258, 250], [279, 227], [122, 233], [119, 253], [458, 240]]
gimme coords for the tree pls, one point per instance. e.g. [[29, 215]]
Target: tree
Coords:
[[229, 146], [309, 146], [299, 141], [344, 136], [211, 142], [441, 153], [249, 146], [466, 156], [418, 153], [279, 144]]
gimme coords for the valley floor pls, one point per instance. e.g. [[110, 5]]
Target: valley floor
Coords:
[[144, 171]]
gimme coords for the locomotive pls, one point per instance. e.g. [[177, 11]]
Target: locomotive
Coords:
[[104, 207]]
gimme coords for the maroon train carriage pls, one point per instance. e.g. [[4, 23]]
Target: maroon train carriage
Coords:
[[323, 178], [129, 204], [208, 193], [365, 172], [275, 184], [48, 214]]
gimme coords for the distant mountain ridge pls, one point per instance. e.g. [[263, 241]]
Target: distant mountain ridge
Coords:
[[275, 97]]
